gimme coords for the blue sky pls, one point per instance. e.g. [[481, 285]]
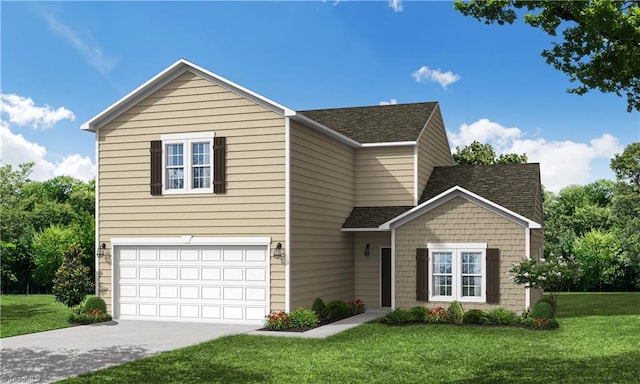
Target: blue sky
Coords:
[[64, 62]]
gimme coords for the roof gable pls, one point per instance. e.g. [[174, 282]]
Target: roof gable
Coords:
[[515, 187], [376, 124], [166, 76], [452, 193]]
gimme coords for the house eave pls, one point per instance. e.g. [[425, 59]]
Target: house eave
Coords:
[[372, 229]]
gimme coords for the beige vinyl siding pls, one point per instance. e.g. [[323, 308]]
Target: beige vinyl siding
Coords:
[[433, 149], [384, 176], [254, 204], [321, 256], [368, 268], [460, 221]]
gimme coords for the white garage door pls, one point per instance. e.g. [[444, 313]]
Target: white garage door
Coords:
[[192, 283]]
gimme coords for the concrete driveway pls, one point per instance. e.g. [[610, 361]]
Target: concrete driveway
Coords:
[[54, 355]]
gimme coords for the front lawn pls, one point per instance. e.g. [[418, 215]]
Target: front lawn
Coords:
[[22, 314], [586, 349]]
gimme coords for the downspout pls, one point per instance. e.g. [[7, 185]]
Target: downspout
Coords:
[[287, 214], [527, 252], [97, 216]]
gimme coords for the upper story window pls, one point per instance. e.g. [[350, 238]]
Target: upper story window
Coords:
[[457, 272], [187, 163]]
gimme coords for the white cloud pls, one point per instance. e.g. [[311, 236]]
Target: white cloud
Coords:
[[425, 75], [390, 102], [562, 163], [77, 166], [91, 51], [23, 111], [396, 5]]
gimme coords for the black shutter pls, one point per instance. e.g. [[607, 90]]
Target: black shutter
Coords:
[[422, 274], [156, 167], [219, 164], [493, 276]]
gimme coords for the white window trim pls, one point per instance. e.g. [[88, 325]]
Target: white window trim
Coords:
[[456, 271], [186, 139]]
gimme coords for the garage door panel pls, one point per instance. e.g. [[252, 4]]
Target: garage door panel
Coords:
[[206, 283]]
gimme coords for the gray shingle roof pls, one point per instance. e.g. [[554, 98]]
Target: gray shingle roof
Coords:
[[372, 217], [376, 124], [516, 187]]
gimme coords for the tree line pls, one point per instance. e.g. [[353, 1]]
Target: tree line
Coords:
[[595, 227], [40, 221]]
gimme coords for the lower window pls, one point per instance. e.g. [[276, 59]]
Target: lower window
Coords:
[[457, 272]]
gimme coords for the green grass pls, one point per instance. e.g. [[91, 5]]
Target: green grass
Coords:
[[587, 348], [22, 314]]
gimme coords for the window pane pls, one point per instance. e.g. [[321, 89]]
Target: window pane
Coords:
[[471, 263], [175, 155], [471, 286], [442, 285], [201, 177], [175, 178], [442, 262], [201, 154]]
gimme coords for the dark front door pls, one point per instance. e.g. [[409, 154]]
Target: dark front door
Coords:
[[385, 278]]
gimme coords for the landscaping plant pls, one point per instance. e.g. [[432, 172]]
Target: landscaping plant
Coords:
[[277, 321], [397, 316], [302, 318], [319, 308], [418, 314], [455, 313], [338, 310], [72, 281], [436, 315], [473, 316]]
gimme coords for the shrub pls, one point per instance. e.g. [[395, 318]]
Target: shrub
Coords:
[[338, 310], [277, 321], [397, 316], [418, 314], [95, 303], [499, 316], [72, 280], [319, 308], [455, 313], [301, 318], [544, 324], [436, 315], [542, 310], [473, 316], [82, 316], [547, 299], [357, 307]]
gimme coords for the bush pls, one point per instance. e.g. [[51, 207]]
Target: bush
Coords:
[[473, 316], [547, 299], [95, 303], [542, 310], [277, 321], [301, 318], [499, 316], [319, 308], [357, 307], [338, 310], [455, 313], [397, 316], [436, 315], [82, 316], [72, 280], [418, 314], [544, 324]]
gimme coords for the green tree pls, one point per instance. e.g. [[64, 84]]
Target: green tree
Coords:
[[553, 275], [598, 257], [626, 211], [73, 280], [478, 153], [600, 46], [48, 247]]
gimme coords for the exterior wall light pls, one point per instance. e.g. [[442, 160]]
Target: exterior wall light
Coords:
[[102, 250], [367, 250], [277, 253]]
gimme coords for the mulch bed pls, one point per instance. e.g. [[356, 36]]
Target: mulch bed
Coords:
[[305, 329]]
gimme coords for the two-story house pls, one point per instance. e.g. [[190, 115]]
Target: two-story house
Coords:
[[215, 203]]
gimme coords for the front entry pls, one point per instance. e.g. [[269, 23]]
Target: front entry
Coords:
[[385, 277]]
